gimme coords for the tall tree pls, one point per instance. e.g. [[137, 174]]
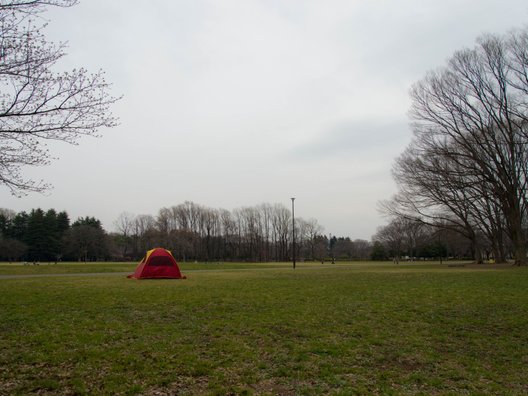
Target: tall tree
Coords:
[[391, 237], [310, 230], [87, 240], [43, 234], [36, 235], [6, 218], [472, 116], [38, 104], [124, 225]]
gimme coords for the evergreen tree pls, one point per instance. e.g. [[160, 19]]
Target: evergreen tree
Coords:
[[86, 240], [36, 236], [88, 221], [17, 229]]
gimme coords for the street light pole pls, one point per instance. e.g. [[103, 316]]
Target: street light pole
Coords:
[[293, 231]]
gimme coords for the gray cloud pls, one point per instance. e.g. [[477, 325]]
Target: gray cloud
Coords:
[[355, 137], [230, 103]]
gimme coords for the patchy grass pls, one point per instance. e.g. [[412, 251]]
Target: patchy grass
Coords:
[[88, 268], [46, 268], [347, 329], [64, 268], [115, 267]]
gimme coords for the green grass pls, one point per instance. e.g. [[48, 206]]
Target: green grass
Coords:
[[118, 267], [86, 268], [356, 328], [64, 268], [113, 267]]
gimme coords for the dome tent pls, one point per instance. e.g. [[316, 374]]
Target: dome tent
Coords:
[[157, 263]]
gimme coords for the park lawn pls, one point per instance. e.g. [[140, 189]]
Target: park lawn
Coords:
[[343, 330], [64, 268], [45, 268]]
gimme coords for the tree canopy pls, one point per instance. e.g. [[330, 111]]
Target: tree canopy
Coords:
[[466, 167]]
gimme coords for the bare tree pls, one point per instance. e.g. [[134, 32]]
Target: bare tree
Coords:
[[143, 224], [362, 249], [435, 190], [266, 214], [281, 230], [143, 229], [309, 232], [211, 230], [230, 233], [37, 104], [391, 237], [468, 162], [124, 225]]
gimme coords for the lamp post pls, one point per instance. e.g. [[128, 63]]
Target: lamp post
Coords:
[[293, 231]]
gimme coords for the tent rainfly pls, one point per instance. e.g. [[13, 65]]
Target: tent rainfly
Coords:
[[157, 263]]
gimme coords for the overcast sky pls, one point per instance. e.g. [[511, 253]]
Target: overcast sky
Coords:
[[234, 103]]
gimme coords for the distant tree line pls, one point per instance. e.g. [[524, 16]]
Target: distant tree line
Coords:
[[256, 233], [465, 170], [48, 236], [191, 231], [409, 239], [195, 232]]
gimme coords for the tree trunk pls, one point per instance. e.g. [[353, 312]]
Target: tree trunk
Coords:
[[519, 247], [476, 251]]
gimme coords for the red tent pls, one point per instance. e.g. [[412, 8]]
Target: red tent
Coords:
[[157, 263]]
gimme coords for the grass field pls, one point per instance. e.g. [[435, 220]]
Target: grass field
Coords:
[[354, 328], [107, 267]]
